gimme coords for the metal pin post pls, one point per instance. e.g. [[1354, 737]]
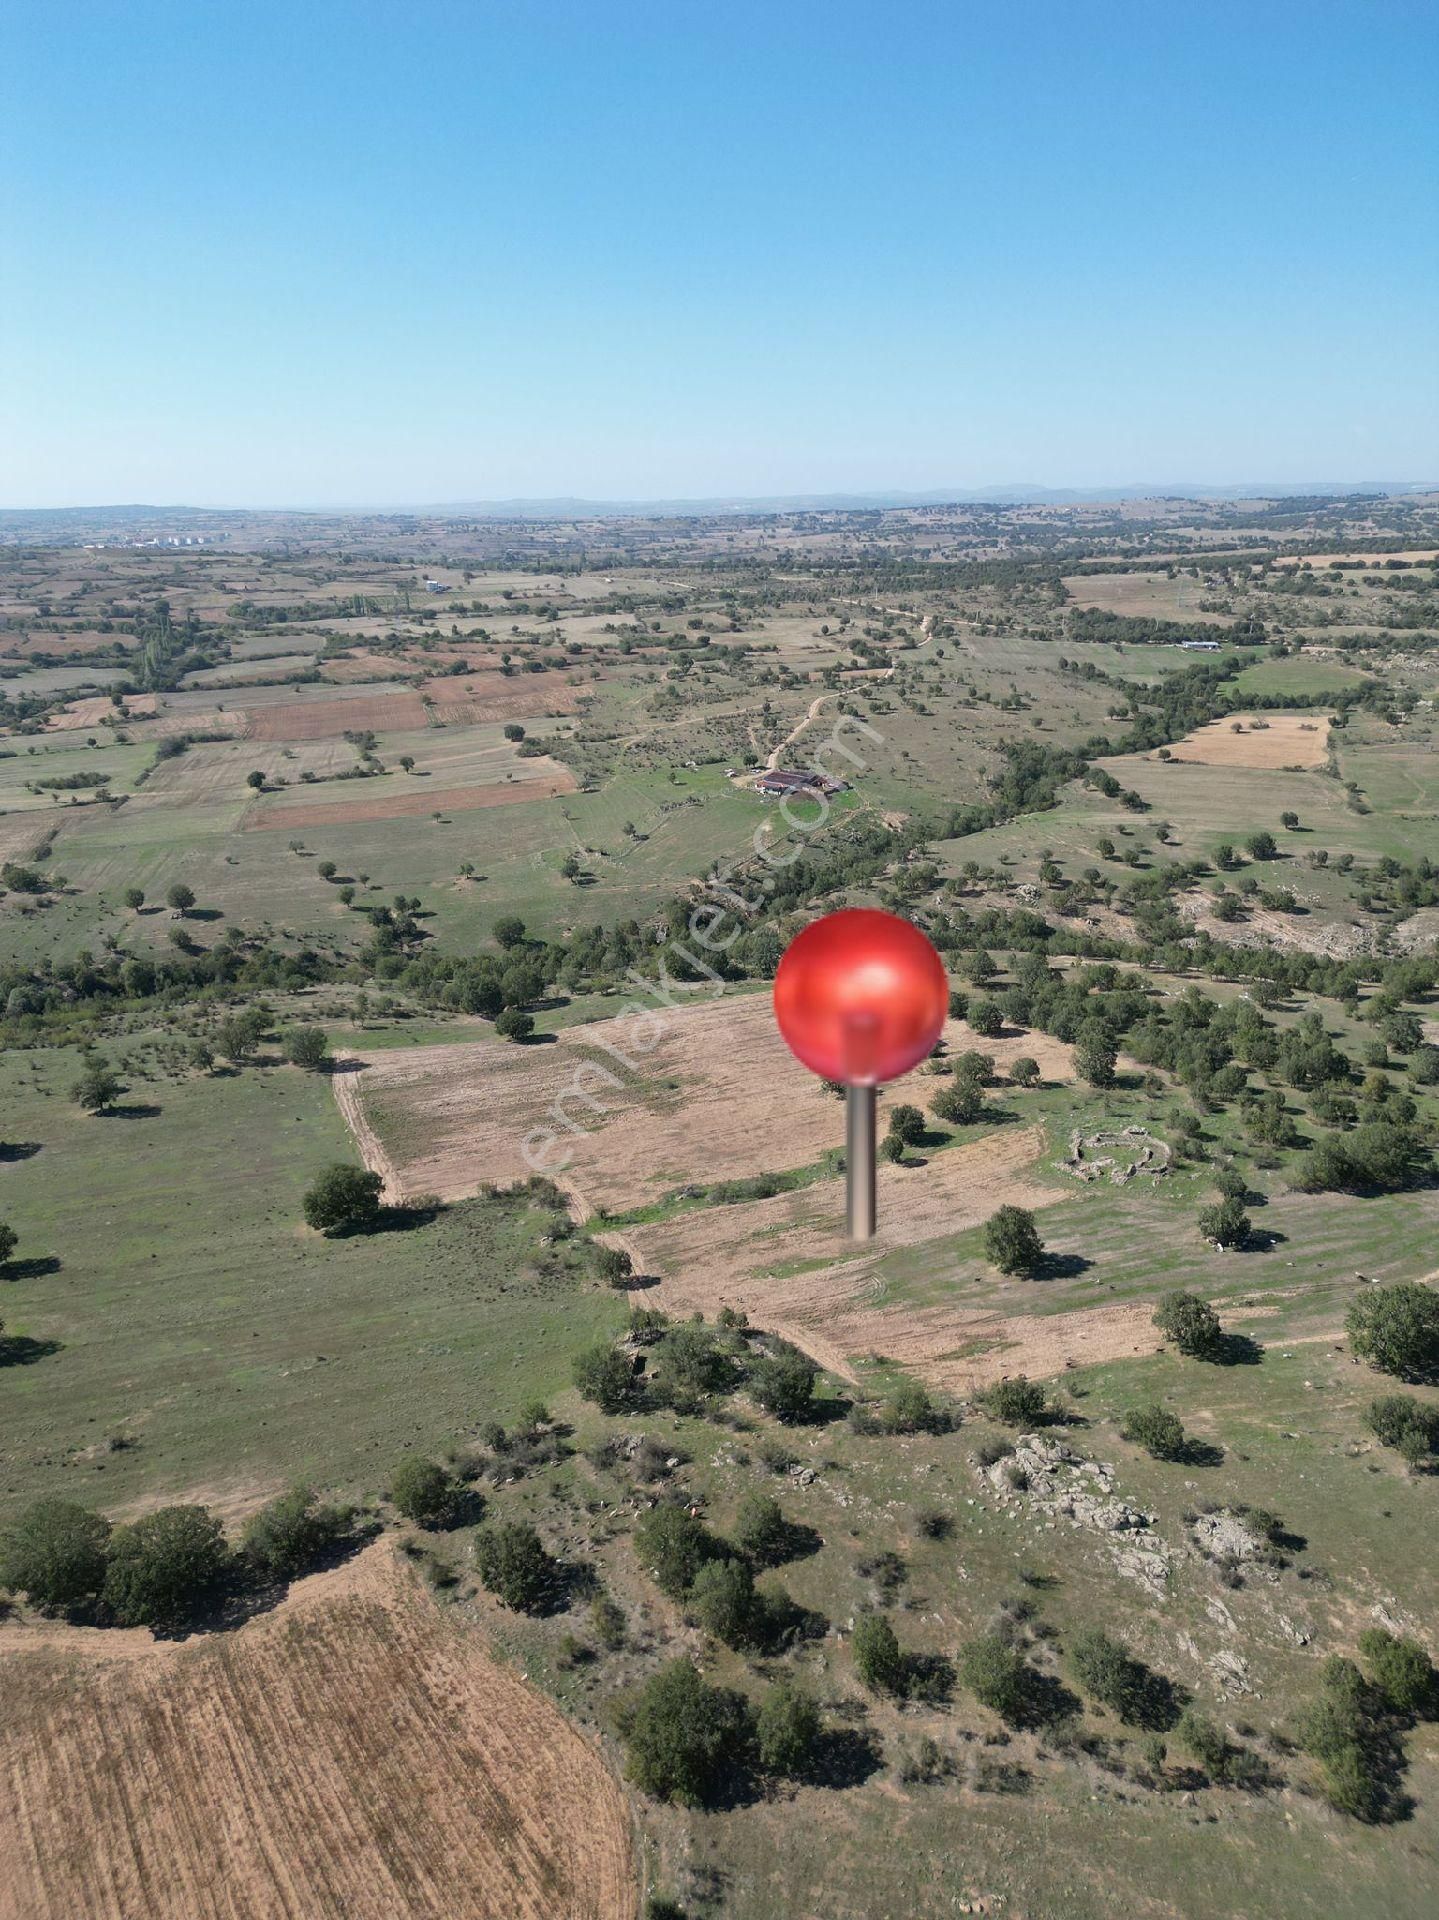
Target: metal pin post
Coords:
[[859, 1162]]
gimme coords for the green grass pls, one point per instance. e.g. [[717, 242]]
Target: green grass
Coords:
[[199, 1316]]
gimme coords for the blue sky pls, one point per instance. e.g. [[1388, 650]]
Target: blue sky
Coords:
[[367, 253]]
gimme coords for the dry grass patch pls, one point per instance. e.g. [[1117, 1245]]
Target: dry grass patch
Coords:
[[1257, 740]]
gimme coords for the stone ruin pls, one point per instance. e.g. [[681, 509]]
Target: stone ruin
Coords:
[[1133, 1151]]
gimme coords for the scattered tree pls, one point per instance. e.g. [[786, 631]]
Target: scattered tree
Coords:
[[54, 1553], [1396, 1329], [1158, 1431], [684, 1738], [424, 1492], [307, 1047], [513, 1565], [166, 1569], [343, 1200], [1012, 1242], [1191, 1324]]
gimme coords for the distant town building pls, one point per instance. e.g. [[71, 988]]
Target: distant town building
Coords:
[[1200, 646]]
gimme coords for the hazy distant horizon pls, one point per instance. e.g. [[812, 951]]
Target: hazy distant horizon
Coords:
[[860, 499]]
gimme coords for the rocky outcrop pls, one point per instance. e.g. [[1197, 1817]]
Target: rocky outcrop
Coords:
[[1047, 1476]]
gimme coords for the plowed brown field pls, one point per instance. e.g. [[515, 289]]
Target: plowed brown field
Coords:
[[355, 1755], [317, 719]]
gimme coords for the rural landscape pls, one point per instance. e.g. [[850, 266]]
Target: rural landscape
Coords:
[[453, 1464]]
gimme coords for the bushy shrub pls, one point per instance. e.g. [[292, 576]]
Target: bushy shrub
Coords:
[[423, 1492], [513, 1565], [877, 1657], [166, 1569], [783, 1384], [1397, 1329], [1406, 1424], [343, 1200], [1012, 1242], [604, 1377], [789, 1730], [996, 1674], [684, 1738], [722, 1598], [672, 1545], [287, 1537], [1227, 1225], [761, 1529], [1402, 1671], [54, 1553], [1016, 1403], [1158, 1431], [1108, 1671], [1190, 1323]]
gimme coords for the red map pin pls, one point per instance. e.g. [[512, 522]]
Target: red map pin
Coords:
[[860, 997]]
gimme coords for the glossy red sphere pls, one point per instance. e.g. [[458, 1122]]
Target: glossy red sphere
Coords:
[[861, 996]]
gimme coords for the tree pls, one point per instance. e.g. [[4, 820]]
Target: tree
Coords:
[[54, 1553], [783, 1384], [1406, 1424], [1397, 1329], [692, 1360], [513, 1565], [891, 1148], [614, 1265], [134, 898], [1289, 820], [1403, 1672], [723, 1599], [1012, 1242], [1024, 1072], [201, 1055], [239, 1035], [166, 1569], [295, 1531], [97, 1089], [515, 1024], [1382, 1156], [180, 898], [407, 762], [255, 780], [603, 1376], [307, 1047], [1095, 1056], [685, 1738], [1190, 1323], [789, 1730], [906, 1124], [509, 930], [996, 1674], [761, 1530], [1016, 1403], [424, 1492], [673, 1544], [1227, 1225], [327, 869], [985, 1019], [343, 1200], [1261, 846], [9, 1240], [1109, 1672], [1158, 1431], [961, 1103], [877, 1657], [513, 731], [570, 868]]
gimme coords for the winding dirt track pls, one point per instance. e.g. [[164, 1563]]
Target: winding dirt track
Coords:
[[354, 1755]]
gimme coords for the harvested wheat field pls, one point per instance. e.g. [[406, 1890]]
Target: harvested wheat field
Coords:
[[84, 715], [316, 719], [472, 699], [774, 1259], [642, 1103], [356, 1754], [1257, 740], [544, 784]]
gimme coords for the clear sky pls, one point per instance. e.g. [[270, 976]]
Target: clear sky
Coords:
[[348, 252]]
